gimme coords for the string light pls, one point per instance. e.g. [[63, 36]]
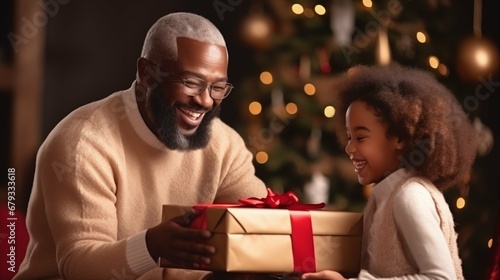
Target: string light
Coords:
[[433, 62], [421, 38], [490, 243], [309, 89], [320, 9], [266, 78], [261, 157], [367, 3], [297, 9], [255, 108], [329, 111], [460, 203], [291, 108]]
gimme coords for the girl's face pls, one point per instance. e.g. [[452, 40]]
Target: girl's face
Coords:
[[373, 153]]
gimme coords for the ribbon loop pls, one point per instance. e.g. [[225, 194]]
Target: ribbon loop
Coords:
[[287, 200]]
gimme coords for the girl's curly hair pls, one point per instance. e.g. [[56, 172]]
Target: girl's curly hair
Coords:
[[440, 141]]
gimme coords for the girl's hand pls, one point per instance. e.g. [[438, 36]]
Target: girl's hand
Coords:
[[325, 275]]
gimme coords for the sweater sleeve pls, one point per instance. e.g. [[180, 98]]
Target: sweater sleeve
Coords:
[[417, 219], [75, 175], [138, 257]]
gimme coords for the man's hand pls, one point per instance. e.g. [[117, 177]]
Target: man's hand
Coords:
[[244, 276], [179, 244], [325, 275]]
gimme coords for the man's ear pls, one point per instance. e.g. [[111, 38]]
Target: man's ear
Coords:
[[144, 72]]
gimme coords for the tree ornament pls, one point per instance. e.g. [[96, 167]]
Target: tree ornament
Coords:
[[383, 51], [342, 21], [257, 28], [405, 46], [484, 137], [305, 67], [317, 190], [314, 142], [477, 56]]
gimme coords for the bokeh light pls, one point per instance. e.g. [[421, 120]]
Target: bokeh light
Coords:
[[291, 108], [309, 89], [266, 78], [421, 38], [297, 9], [255, 108], [329, 111], [261, 157], [320, 9]]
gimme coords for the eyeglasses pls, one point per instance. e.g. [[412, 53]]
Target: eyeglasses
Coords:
[[194, 86]]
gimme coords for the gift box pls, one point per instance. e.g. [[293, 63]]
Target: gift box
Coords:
[[260, 240]]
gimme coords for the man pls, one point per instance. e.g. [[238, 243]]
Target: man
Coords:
[[105, 171]]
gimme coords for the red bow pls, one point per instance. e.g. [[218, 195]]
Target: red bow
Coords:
[[287, 200]]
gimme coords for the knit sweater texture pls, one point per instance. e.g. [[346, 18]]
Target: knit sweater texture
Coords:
[[102, 176], [389, 250]]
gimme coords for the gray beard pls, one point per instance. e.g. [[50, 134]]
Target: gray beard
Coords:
[[165, 119]]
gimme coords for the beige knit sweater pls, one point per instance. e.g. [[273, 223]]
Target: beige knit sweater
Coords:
[[102, 176]]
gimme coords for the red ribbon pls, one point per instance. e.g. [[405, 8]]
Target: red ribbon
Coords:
[[302, 233]]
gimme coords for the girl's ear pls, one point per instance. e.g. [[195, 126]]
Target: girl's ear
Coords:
[[400, 145]]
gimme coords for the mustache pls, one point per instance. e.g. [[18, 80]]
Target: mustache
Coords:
[[194, 107]]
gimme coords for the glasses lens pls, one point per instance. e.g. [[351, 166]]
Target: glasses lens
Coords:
[[220, 90], [194, 86]]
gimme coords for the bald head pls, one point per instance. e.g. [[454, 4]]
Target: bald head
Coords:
[[161, 39]]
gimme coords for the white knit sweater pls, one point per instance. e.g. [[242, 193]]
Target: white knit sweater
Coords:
[[409, 232]]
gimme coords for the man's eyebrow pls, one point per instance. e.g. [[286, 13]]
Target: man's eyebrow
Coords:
[[198, 75]]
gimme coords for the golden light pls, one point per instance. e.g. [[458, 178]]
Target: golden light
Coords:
[[291, 108], [266, 78], [433, 62], [367, 3], [329, 111], [476, 57], [460, 203], [297, 9], [443, 70], [261, 157], [421, 38], [257, 28], [255, 108], [320, 10], [490, 243], [309, 89], [482, 58]]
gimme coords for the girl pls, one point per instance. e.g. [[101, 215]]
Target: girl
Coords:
[[407, 135]]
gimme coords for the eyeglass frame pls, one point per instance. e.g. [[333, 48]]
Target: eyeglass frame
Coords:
[[184, 85]]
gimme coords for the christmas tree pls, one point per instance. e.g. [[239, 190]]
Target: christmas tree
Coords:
[[288, 107]]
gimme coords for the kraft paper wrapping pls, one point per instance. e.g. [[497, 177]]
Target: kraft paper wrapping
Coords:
[[257, 240]]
